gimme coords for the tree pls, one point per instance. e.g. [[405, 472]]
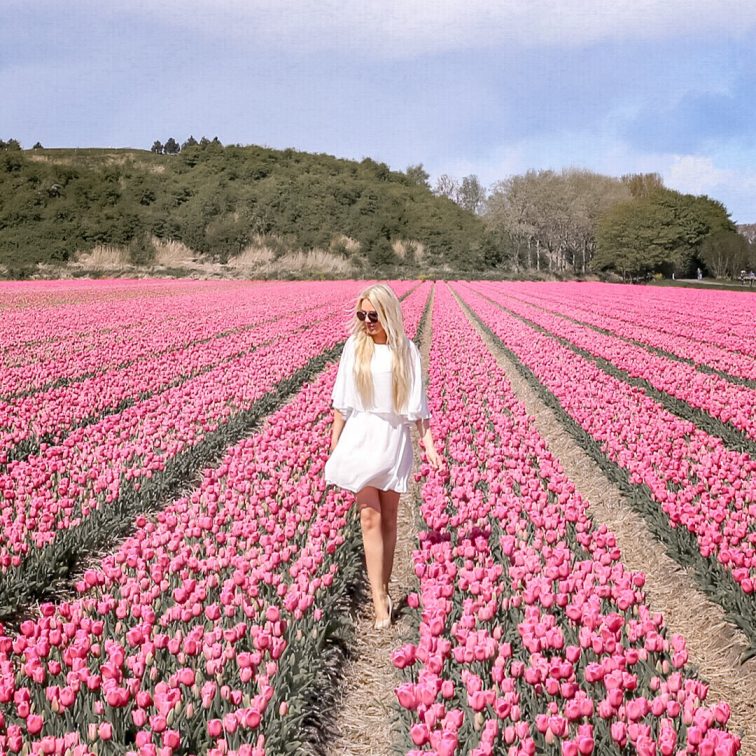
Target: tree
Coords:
[[171, 147], [551, 217], [663, 228], [11, 144], [748, 230], [141, 250], [471, 194], [418, 175], [630, 238], [228, 234], [446, 186], [642, 184], [157, 147], [725, 253], [191, 142]]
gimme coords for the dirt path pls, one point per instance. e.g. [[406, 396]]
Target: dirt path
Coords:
[[714, 646], [364, 714]]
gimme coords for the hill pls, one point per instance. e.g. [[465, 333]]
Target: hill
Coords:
[[221, 204]]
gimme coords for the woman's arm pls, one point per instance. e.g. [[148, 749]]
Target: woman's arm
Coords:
[[424, 431], [338, 426]]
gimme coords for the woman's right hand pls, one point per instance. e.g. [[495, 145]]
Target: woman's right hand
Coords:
[[433, 458]]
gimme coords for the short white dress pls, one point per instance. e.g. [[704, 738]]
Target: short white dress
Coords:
[[375, 446]]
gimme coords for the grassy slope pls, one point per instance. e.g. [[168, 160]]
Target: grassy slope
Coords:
[[54, 202]]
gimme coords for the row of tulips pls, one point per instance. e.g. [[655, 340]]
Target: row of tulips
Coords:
[[533, 636], [697, 495], [732, 404], [709, 316], [140, 329], [204, 632], [47, 417], [707, 336], [38, 315], [117, 465]]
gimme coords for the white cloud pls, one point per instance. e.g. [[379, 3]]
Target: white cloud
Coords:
[[405, 28], [697, 174]]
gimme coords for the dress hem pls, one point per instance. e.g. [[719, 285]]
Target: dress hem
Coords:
[[351, 490]]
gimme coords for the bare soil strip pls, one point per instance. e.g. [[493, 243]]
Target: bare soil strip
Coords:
[[364, 716], [714, 645]]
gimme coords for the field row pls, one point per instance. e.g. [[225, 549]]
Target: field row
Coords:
[[533, 638], [703, 393], [698, 495], [718, 321]]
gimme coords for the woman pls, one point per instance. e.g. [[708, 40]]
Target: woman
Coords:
[[377, 396]]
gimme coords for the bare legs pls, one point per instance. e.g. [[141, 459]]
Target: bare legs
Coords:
[[378, 514]]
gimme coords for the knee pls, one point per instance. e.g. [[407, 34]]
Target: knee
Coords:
[[370, 518]]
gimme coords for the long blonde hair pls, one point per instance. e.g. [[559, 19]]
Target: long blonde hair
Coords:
[[389, 310]]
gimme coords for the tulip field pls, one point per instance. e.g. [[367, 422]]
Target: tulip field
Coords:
[[177, 578]]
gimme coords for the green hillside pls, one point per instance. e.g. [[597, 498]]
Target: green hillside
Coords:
[[55, 203]]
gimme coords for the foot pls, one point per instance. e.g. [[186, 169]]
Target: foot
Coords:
[[383, 623]]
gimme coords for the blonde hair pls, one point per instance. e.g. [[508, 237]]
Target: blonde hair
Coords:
[[389, 310]]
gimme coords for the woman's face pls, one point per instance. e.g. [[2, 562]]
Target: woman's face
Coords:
[[375, 330]]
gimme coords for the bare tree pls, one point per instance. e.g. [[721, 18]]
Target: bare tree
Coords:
[[551, 217], [446, 186]]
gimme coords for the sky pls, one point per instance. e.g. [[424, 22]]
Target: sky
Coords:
[[491, 88]]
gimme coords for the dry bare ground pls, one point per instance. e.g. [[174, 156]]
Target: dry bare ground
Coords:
[[364, 715], [714, 645]]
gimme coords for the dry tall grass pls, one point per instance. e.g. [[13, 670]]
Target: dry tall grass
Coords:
[[266, 256], [315, 261], [40, 158], [260, 258], [104, 257], [172, 254], [345, 245], [407, 247], [252, 258]]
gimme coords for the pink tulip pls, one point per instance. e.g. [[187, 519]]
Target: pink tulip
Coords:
[[34, 724]]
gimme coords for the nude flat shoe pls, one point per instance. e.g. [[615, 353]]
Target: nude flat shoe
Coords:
[[383, 624]]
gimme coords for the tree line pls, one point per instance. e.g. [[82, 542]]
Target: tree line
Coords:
[[577, 221], [172, 147], [218, 198]]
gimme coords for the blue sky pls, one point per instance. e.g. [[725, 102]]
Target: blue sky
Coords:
[[491, 88]]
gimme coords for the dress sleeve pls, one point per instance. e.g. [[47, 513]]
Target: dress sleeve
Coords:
[[417, 406], [342, 396]]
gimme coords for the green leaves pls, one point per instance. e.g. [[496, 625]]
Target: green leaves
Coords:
[[662, 227]]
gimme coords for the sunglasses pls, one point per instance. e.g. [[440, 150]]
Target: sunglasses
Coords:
[[372, 316]]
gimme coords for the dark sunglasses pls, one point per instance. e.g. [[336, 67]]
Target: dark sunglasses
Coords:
[[372, 316]]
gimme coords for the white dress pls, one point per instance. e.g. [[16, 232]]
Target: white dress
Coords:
[[375, 446]]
